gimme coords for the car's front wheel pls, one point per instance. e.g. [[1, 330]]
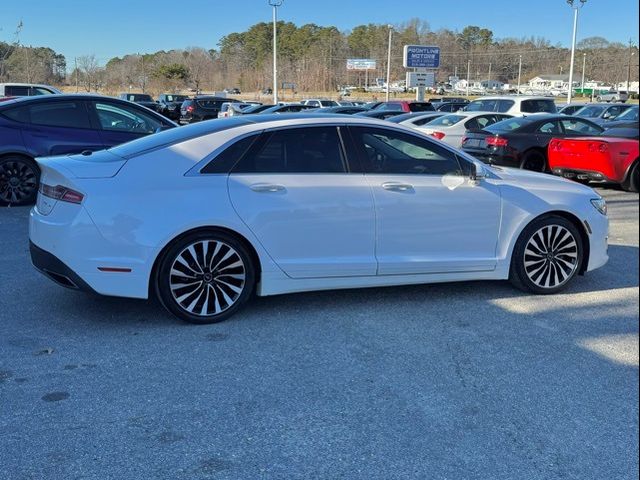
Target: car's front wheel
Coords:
[[19, 178], [205, 277], [547, 255]]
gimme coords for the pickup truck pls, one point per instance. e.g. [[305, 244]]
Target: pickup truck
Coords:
[[613, 96]]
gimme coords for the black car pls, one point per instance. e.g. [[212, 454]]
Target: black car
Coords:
[[255, 109], [62, 124], [449, 107], [203, 107], [141, 99], [522, 142], [169, 105], [449, 100], [344, 109], [381, 114]]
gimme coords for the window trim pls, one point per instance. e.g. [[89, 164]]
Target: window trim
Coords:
[[359, 152], [196, 170]]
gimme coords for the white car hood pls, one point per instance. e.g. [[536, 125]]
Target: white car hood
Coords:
[[540, 181]]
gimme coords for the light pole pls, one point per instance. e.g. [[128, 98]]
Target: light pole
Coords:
[[468, 76], [584, 66], [519, 72], [389, 62], [275, 4], [631, 52], [575, 6]]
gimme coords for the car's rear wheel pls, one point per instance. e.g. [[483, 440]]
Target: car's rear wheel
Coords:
[[547, 255], [631, 183], [205, 277], [534, 160], [19, 178]]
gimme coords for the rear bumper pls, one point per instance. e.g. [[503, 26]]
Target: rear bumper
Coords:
[[56, 270], [578, 174]]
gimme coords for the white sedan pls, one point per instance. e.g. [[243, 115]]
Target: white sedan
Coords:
[[452, 128], [205, 215]]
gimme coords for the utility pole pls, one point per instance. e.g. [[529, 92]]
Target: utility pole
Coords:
[[519, 72], [75, 62], [584, 64], [389, 62], [275, 4], [629, 66], [489, 79], [468, 75]]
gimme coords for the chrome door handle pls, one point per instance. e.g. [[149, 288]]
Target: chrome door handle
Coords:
[[267, 187], [397, 187]]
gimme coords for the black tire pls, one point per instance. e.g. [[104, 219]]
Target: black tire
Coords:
[[19, 180], [547, 256], [598, 99], [631, 183], [534, 160], [212, 289]]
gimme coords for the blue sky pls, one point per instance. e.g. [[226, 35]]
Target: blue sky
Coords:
[[111, 28]]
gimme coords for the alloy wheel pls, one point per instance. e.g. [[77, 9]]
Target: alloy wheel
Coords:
[[551, 256], [207, 277], [18, 181]]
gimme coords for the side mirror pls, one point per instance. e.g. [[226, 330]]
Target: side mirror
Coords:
[[478, 172]]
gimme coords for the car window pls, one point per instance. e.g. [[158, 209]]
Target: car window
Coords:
[[590, 111], [538, 106], [16, 91], [121, 118], [41, 91], [551, 127], [225, 161], [578, 127], [388, 151], [508, 125], [420, 107], [424, 120], [613, 111], [210, 104], [631, 115], [55, 114], [504, 105], [482, 106], [296, 150], [447, 120], [479, 123]]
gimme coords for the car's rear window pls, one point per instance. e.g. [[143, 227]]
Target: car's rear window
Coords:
[[508, 125], [482, 106], [590, 111], [137, 97], [447, 120], [175, 135], [538, 106], [421, 107]]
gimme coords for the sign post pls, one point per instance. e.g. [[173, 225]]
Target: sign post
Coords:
[[423, 60]]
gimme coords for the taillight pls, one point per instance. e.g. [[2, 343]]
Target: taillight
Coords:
[[59, 192], [555, 145], [438, 135], [496, 141], [190, 108], [598, 147]]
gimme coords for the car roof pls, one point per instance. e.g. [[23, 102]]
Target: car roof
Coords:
[[58, 98], [513, 97]]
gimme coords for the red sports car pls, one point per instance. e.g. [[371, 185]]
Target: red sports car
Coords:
[[609, 159]]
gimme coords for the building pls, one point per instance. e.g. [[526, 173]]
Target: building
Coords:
[[553, 82]]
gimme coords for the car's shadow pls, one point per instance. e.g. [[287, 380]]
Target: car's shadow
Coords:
[[620, 272]]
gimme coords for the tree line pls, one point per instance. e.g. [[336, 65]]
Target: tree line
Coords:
[[314, 59]]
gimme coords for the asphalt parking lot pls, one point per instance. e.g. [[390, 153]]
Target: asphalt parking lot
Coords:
[[456, 381]]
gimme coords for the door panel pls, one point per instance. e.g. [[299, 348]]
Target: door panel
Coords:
[[314, 219], [430, 217]]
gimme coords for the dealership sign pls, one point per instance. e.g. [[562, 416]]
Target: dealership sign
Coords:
[[420, 79], [421, 56], [361, 64]]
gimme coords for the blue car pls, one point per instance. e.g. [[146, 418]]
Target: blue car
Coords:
[[48, 125]]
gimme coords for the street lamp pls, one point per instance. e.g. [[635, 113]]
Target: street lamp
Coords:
[[575, 6], [389, 62], [275, 4]]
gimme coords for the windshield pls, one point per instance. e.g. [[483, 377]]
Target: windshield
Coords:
[[175, 98], [447, 120], [630, 115], [138, 97], [590, 111], [328, 103], [508, 125]]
